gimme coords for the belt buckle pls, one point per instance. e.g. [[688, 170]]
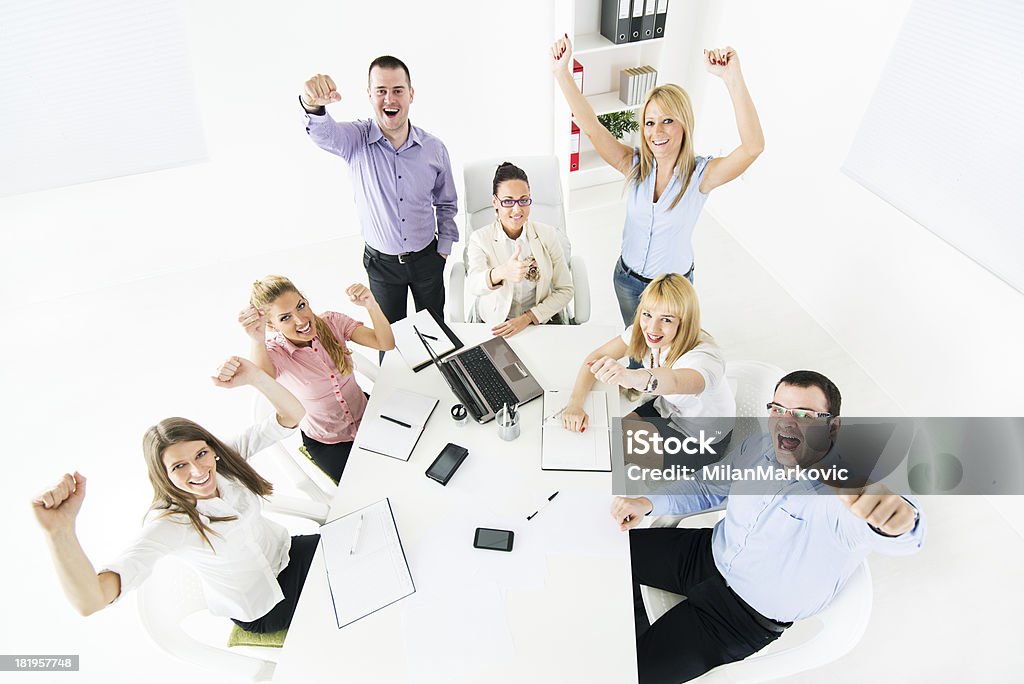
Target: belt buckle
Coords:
[[402, 258]]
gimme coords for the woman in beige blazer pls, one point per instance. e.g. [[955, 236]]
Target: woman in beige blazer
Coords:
[[518, 274]]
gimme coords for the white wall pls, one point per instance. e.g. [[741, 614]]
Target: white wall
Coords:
[[933, 328], [265, 186]]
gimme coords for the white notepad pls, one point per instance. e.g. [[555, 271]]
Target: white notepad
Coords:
[[408, 413], [566, 450], [409, 345], [366, 566]]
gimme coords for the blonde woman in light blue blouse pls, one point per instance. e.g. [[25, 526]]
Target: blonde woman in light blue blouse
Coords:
[[668, 184]]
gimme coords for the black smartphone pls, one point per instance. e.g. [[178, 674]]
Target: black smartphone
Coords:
[[446, 463], [495, 540]]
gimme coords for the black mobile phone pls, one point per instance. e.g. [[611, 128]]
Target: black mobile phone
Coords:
[[446, 463], [495, 540]]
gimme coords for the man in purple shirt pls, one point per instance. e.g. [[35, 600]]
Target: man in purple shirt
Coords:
[[404, 190]]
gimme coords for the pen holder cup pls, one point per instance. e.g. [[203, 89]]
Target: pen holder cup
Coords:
[[508, 427]]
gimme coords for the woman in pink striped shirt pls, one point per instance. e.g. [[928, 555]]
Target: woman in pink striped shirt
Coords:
[[308, 354]]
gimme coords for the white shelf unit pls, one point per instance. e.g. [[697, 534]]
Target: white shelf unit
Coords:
[[602, 61]]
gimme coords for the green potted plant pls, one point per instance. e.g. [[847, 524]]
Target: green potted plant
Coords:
[[619, 123]]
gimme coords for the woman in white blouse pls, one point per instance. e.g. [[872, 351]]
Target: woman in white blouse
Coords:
[[206, 510], [517, 273], [681, 365]]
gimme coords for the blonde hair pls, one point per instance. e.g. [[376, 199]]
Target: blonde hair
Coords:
[[266, 291], [673, 101], [671, 293], [167, 498]]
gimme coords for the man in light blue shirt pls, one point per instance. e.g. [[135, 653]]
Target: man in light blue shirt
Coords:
[[780, 554]]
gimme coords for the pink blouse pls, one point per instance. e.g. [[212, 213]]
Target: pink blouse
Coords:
[[334, 402]]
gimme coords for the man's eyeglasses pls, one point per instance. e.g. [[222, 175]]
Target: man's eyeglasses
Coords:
[[509, 203], [777, 411]]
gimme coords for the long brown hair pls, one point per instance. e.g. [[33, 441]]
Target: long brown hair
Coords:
[[674, 101], [266, 290], [674, 294], [167, 498]]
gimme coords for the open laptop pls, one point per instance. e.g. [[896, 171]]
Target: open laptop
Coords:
[[486, 376]]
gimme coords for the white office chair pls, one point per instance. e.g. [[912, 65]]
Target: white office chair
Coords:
[[753, 385], [810, 643], [173, 594], [303, 475], [548, 207]]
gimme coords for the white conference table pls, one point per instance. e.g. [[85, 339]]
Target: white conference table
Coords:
[[558, 608]]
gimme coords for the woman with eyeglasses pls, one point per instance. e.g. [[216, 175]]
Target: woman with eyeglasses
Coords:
[[667, 182], [517, 271]]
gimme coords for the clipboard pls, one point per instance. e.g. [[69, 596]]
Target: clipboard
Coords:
[[414, 354], [565, 450], [366, 565]]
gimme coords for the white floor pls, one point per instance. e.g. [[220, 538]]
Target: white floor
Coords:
[[102, 365]]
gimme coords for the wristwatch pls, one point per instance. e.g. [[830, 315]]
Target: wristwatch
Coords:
[[652, 384]]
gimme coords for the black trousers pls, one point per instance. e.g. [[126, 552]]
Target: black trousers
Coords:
[[330, 458], [291, 579], [713, 626], [390, 280]]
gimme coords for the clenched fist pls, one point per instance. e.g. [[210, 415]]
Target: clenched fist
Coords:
[[320, 91]]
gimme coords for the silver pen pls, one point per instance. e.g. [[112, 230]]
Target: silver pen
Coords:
[[355, 539]]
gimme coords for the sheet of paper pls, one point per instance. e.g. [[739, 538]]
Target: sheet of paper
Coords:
[[561, 531], [409, 345], [366, 567], [566, 450], [450, 545], [382, 436], [448, 638]]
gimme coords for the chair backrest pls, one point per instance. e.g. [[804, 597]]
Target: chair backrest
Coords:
[[171, 594], [753, 384], [545, 189]]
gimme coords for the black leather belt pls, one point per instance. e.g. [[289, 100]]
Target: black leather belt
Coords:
[[646, 281], [404, 257], [772, 626]]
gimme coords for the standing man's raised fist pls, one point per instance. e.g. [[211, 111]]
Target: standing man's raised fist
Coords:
[[320, 91]]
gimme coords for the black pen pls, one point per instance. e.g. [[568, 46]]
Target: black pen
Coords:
[[532, 515], [397, 422], [429, 337]]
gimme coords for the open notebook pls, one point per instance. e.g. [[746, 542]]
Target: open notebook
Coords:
[[366, 565], [396, 425], [442, 340], [565, 450]]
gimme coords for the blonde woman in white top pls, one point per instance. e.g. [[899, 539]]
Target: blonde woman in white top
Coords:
[[682, 365], [205, 510], [517, 271]]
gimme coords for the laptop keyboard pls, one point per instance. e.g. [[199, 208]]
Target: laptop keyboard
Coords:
[[493, 387]]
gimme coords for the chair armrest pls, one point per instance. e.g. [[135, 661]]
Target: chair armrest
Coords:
[[581, 296], [302, 508], [455, 298], [364, 366]]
